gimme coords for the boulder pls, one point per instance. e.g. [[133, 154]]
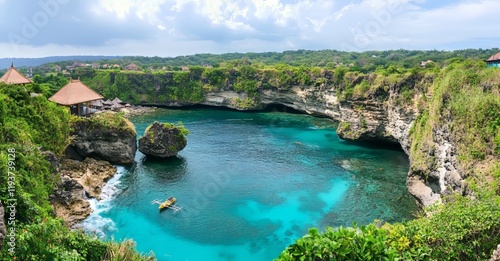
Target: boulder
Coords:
[[106, 136], [163, 140]]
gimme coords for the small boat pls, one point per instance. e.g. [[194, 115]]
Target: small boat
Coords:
[[169, 202]]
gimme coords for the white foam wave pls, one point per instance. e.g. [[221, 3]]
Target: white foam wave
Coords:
[[96, 223]]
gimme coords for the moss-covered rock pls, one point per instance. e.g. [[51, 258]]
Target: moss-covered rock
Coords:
[[163, 140], [106, 136]]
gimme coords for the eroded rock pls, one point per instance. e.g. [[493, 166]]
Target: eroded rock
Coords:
[[79, 181], [163, 140], [106, 136]]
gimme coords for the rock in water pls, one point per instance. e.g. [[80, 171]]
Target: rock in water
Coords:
[[106, 136], [163, 140]]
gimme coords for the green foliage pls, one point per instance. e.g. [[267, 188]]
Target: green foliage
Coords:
[[49, 84], [355, 243], [106, 120], [463, 229], [183, 131], [126, 251], [467, 93], [49, 239], [244, 104], [26, 120]]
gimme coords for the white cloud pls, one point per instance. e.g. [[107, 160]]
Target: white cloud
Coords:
[[193, 26]]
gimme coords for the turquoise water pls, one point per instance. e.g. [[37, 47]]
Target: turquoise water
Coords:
[[249, 184]]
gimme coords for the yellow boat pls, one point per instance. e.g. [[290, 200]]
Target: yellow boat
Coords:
[[169, 202]]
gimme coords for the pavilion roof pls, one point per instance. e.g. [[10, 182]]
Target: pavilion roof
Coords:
[[75, 92], [13, 76], [495, 57], [118, 100]]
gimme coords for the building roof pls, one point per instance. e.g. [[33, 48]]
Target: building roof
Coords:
[[97, 103], [13, 76], [75, 92], [131, 67], [116, 100], [495, 57]]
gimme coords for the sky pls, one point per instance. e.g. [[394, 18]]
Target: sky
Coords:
[[168, 28]]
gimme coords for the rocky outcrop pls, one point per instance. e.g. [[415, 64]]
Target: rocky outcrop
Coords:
[[92, 174], [163, 140], [69, 201], [3, 229], [106, 136], [79, 181]]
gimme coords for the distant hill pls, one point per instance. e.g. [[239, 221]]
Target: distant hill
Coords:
[[28, 62]]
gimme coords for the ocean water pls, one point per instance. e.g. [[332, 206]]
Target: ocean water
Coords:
[[249, 184]]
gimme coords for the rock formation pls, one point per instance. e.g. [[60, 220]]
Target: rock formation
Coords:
[[106, 136], [163, 140], [69, 202], [92, 174], [79, 180]]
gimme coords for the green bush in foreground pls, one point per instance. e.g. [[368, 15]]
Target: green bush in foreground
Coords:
[[463, 229]]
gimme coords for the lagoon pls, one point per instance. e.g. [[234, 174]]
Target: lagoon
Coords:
[[249, 184]]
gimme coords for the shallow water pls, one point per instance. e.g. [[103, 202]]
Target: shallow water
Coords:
[[249, 184]]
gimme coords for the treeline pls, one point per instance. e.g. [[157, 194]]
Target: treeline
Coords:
[[362, 61], [242, 77], [322, 58]]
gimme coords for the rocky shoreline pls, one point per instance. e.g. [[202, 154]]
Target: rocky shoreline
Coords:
[[137, 110], [80, 180]]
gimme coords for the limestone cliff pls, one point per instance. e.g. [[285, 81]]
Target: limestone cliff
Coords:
[[106, 136], [382, 115]]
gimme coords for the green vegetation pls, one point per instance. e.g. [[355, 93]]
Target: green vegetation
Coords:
[[28, 127], [365, 61], [462, 230], [183, 132], [107, 120], [49, 84]]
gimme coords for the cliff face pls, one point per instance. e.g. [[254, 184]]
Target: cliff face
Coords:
[[382, 119], [107, 137], [79, 181]]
